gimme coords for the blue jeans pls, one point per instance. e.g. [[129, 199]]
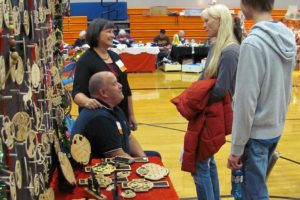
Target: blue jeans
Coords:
[[206, 180], [255, 164]]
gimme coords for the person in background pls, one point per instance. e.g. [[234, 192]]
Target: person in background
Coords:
[[164, 45], [237, 30], [178, 38], [106, 127], [221, 64], [98, 57], [79, 42], [124, 38], [262, 96]]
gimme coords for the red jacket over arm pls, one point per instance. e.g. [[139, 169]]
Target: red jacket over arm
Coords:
[[208, 124]]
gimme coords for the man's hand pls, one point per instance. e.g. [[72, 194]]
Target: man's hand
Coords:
[[92, 104], [234, 162]]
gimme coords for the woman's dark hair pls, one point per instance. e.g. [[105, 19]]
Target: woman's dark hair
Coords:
[[94, 29], [260, 5], [237, 30]]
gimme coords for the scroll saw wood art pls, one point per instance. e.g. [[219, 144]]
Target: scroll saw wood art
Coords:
[[30, 99]]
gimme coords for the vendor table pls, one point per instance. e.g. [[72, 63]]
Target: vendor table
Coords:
[[138, 59], [153, 194], [178, 53]]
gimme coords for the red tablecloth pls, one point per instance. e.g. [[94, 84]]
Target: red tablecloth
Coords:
[[153, 194], [143, 62]]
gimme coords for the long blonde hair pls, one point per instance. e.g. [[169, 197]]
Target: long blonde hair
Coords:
[[224, 36]]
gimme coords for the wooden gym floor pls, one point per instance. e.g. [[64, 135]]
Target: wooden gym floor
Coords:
[[161, 128]]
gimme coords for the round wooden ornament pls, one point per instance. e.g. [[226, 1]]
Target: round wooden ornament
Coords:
[[80, 149], [8, 132], [66, 168], [22, 122], [18, 174]]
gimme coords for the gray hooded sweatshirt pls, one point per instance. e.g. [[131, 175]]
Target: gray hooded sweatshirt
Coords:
[[263, 84]]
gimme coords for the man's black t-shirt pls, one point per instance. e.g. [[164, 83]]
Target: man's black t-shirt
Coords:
[[106, 129], [162, 42]]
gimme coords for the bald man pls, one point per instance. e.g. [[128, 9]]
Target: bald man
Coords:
[[107, 128]]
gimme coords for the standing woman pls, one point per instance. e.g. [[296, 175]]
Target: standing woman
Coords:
[[221, 65], [100, 35]]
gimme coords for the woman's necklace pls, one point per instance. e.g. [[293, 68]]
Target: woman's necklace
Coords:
[[105, 59]]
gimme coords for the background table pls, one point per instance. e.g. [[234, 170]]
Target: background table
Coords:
[[179, 53], [138, 59], [153, 194]]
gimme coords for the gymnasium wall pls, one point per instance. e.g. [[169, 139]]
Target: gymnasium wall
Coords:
[[107, 9], [200, 3]]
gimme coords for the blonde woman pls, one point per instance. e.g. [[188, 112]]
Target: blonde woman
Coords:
[[221, 65]]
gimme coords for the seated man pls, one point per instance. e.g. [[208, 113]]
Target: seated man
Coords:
[[124, 38], [163, 42], [178, 38], [107, 128]]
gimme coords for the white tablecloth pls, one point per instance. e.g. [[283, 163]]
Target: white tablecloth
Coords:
[[136, 50]]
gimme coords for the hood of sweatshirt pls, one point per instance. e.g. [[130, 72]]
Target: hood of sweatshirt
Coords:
[[278, 37]]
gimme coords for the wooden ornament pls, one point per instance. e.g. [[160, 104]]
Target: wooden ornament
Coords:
[[14, 55], [128, 194], [59, 61], [60, 115], [51, 134], [47, 195], [22, 122], [8, 132], [18, 174], [35, 75], [31, 144], [17, 68], [39, 155], [16, 20], [38, 117], [46, 143], [43, 49], [80, 149], [31, 184], [46, 171], [55, 74], [26, 23], [2, 69], [50, 193], [27, 98], [103, 181], [152, 171], [37, 53], [36, 184], [43, 196], [52, 7], [123, 174], [49, 44], [104, 168], [66, 168], [1, 12], [21, 5], [140, 185], [56, 144], [12, 188], [7, 12], [42, 14]]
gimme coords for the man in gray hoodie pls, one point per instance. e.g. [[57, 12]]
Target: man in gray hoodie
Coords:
[[262, 95]]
